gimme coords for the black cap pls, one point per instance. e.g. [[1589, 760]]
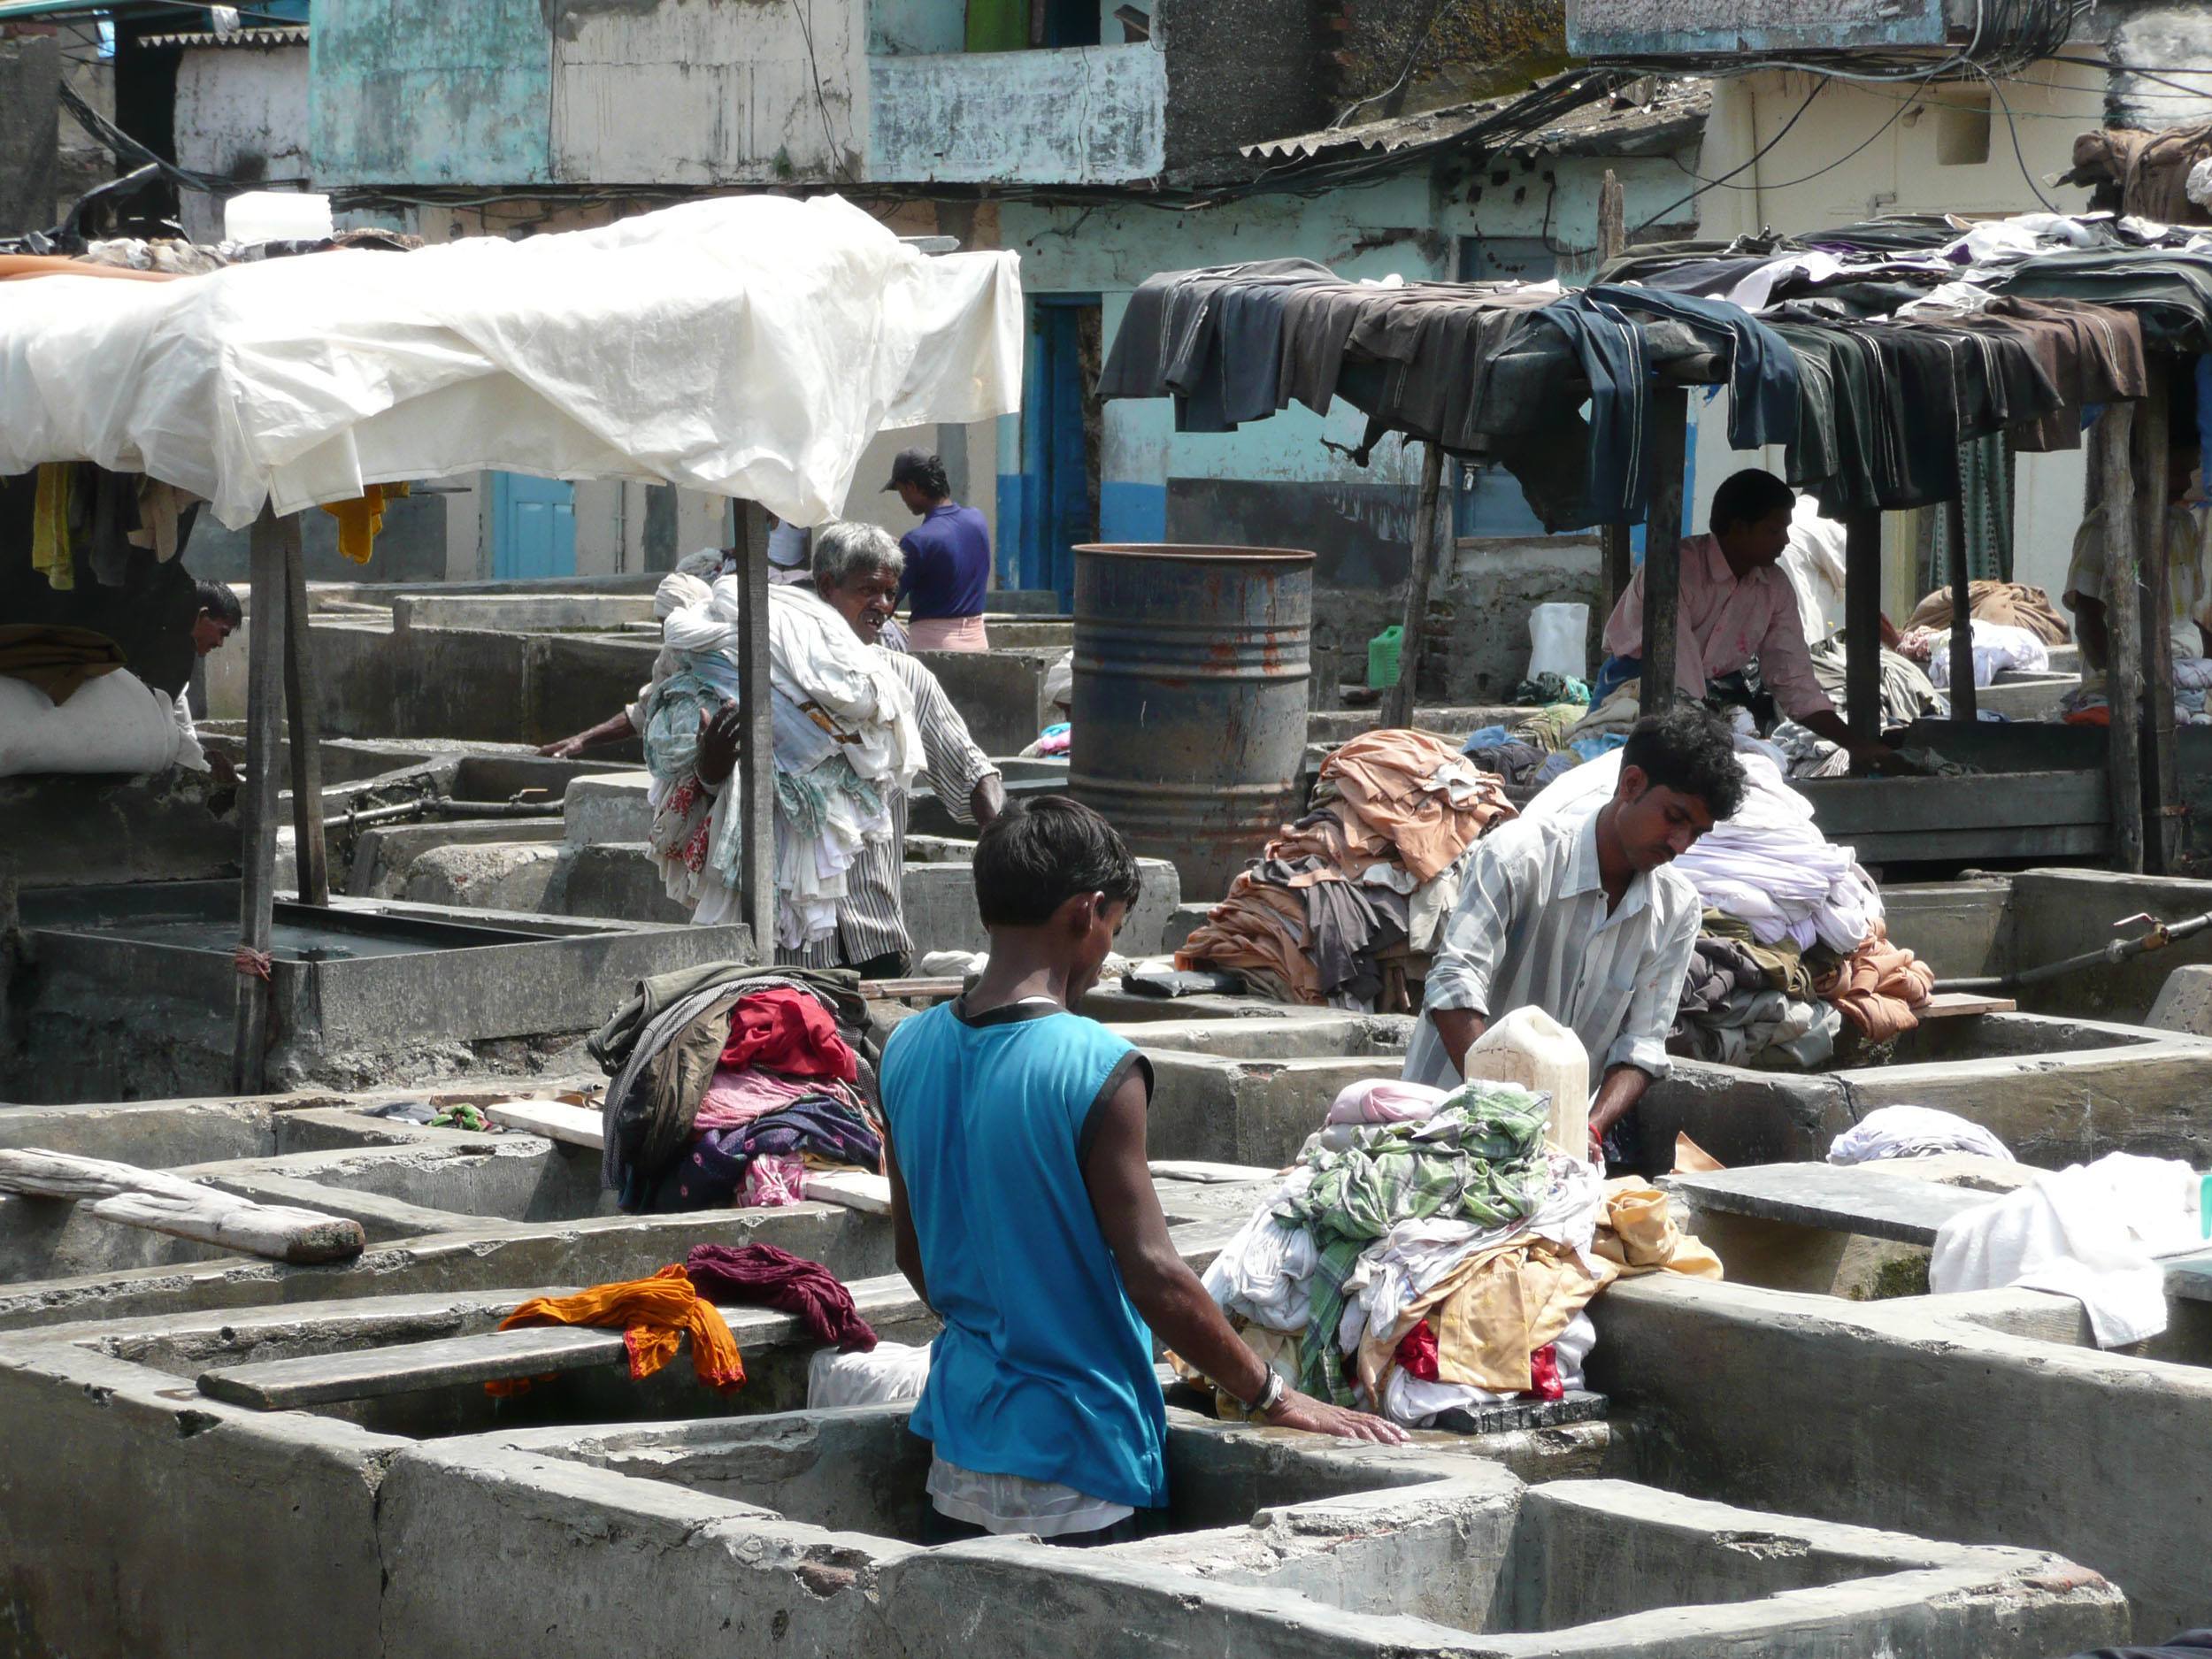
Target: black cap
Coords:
[[913, 467]]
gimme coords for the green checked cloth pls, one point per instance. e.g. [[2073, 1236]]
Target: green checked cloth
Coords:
[[1479, 1159]]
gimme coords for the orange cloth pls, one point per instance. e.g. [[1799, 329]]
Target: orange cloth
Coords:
[[1385, 777], [1260, 931], [359, 521], [2015, 604], [1877, 986], [655, 1313]]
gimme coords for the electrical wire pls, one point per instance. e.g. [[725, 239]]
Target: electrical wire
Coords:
[[1723, 183], [1819, 87], [1436, 15], [2013, 127], [799, 9]]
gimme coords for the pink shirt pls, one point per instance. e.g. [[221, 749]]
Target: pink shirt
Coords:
[[1722, 624]]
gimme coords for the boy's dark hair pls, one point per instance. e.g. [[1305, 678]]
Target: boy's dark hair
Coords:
[[1034, 858], [1689, 750], [219, 602], [1747, 496]]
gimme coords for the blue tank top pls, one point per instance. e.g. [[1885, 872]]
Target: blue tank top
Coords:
[[1044, 1367]]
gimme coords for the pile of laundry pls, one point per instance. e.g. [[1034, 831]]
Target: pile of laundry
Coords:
[[2008, 604], [1431, 1255], [684, 1300], [731, 1084], [2090, 704], [1555, 739], [1793, 948], [846, 742], [1328, 913], [1997, 649]]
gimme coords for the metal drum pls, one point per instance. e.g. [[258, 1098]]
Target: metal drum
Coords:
[[1189, 709]]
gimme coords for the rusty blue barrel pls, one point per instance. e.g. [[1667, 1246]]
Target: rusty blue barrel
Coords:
[[1189, 710]]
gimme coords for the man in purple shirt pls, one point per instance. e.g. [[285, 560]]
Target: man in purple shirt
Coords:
[[947, 558]]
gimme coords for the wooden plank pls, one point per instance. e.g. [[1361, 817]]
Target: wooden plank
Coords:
[[1843, 807], [371, 1373], [571, 1126], [1959, 1004], [312, 857], [756, 753], [1397, 707], [257, 803], [1962, 691], [1870, 1202], [1616, 556], [2051, 842], [163, 1202], [1662, 542], [2124, 621], [855, 1189], [1209, 1174], [1862, 625], [2161, 833], [899, 990]]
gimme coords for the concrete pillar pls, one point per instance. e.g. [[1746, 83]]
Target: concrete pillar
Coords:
[[30, 93]]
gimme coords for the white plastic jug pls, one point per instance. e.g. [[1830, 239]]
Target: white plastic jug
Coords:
[[1558, 638], [1530, 1048]]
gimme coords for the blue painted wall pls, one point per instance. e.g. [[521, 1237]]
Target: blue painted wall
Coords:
[[429, 92], [1412, 225]]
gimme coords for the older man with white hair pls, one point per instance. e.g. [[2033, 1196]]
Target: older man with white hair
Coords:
[[857, 571]]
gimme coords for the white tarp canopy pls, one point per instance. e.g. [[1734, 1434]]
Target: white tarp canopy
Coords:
[[746, 346]]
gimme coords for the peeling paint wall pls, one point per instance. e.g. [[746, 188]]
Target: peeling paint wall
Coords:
[[428, 92], [2163, 39], [1648, 27], [1075, 115], [706, 92], [240, 114]]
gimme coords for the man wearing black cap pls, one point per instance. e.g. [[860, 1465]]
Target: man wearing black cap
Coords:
[[947, 558]]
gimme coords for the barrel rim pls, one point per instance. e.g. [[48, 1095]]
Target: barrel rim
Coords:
[[1194, 552]]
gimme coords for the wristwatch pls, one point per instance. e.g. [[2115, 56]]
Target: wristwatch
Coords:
[[1270, 1397]]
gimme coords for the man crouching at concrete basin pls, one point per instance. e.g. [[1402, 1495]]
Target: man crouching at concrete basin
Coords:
[[1578, 915], [1025, 1216]]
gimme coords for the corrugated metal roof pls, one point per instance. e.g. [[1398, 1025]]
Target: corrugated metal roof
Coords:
[[39, 11], [293, 34], [1611, 128]]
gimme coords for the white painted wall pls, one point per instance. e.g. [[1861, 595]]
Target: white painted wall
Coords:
[[240, 105]]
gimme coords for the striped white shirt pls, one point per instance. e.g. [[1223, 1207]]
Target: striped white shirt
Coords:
[[1530, 928], [871, 920]]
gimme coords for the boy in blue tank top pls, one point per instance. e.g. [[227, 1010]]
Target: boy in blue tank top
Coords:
[[1025, 1215]]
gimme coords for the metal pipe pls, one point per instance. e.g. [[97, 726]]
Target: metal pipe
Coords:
[[2160, 935], [439, 806]]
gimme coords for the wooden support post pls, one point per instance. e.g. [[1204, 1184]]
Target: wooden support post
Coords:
[[2160, 787], [1615, 557], [1963, 697], [257, 803], [1662, 544], [2124, 633], [1863, 624], [755, 754], [309, 854], [1398, 705]]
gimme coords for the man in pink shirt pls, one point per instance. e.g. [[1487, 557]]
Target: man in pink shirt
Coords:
[[1736, 605]]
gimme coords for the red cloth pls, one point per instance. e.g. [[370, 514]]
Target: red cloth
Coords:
[[765, 1276], [789, 1031], [1416, 1352], [1543, 1373]]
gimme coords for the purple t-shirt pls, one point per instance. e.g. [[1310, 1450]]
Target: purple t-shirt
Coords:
[[948, 563]]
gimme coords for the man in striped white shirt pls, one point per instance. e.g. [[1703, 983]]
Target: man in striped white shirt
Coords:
[[856, 570], [1580, 916]]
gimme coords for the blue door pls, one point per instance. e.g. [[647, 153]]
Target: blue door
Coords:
[[1060, 492], [534, 526]]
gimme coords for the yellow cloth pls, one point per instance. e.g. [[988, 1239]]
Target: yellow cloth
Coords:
[[1637, 1234], [1491, 1313], [359, 521], [1499, 1306], [655, 1313], [51, 555]]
